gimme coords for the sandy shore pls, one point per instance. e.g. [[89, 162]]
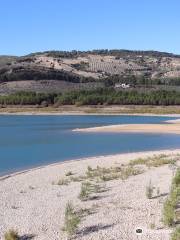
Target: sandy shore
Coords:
[[173, 111], [64, 113], [30, 203], [172, 128]]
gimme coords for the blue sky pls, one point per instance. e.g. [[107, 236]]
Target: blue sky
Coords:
[[36, 25]]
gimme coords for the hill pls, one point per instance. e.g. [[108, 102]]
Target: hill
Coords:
[[63, 71]]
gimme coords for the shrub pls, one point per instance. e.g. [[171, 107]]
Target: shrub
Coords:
[[107, 174], [171, 203], [89, 169], [152, 225], [168, 213], [155, 161], [77, 179], [92, 173], [158, 191], [11, 235], [109, 177], [176, 180], [69, 173], [149, 190], [88, 188], [85, 191], [62, 182], [138, 161], [176, 234], [72, 220], [129, 171]]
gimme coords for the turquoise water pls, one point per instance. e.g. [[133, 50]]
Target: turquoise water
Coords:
[[30, 141]]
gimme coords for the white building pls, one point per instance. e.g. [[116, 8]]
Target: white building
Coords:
[[122, 85]]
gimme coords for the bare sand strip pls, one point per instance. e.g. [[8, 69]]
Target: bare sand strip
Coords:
[[173, 121], [30, 203], [173, 128], [80, 112], [169, 111]]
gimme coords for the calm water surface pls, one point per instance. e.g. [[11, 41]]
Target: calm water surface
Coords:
[[30, 141]]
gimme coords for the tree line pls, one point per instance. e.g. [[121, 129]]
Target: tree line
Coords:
[[103, 96], [112, 52], [28, 98], [111, 96]]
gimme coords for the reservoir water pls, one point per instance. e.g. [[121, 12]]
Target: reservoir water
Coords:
[[31, 141]]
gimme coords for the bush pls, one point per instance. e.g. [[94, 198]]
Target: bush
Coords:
[[72, 220], [155, 161], [176, 234], [85, 191], [11, 235], [172, 201], [88, 188], [149, 190], [176, 180], [63, 182], [69, 173], [168, 214], [129, 171]]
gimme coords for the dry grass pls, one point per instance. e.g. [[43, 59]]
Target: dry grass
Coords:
[[107, 174], [130, 171], [124, 172], [78, 178], [155, 161]]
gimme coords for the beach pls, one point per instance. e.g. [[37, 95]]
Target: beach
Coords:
[[32, 202]]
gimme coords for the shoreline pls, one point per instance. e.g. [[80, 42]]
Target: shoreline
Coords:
[[16, 173], [33, 203], [31, 169], [85, 114], [138, 110]]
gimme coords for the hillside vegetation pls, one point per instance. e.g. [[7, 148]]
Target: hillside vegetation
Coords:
[[98, 67]]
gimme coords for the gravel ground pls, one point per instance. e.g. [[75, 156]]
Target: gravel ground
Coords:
[[32, 205]]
